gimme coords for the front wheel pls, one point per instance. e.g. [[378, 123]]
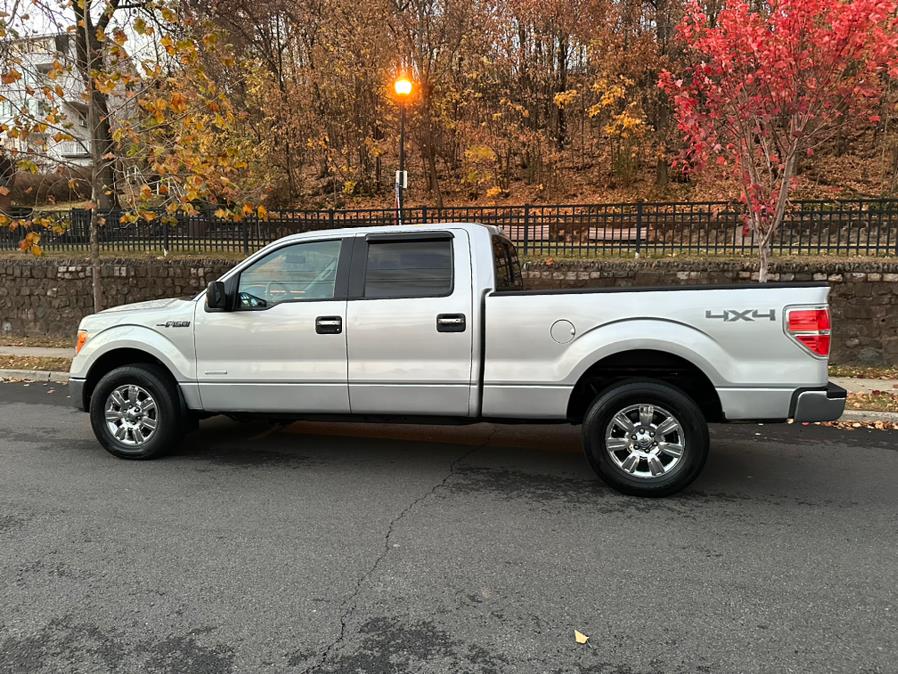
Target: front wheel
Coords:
[[645, 438], [135, 412]]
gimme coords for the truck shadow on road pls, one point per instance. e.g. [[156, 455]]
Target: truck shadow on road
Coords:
[[542, 465]]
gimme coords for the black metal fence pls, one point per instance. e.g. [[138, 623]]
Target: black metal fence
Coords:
[[845, 227]]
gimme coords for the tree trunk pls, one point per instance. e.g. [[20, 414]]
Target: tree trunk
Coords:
[[764, 259], [96, 280], [561, 126], [89, 57]]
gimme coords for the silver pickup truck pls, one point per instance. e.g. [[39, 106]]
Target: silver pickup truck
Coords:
[[432, 323]]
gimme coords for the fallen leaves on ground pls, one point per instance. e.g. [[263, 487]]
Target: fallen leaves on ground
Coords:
[[875, 401], [41, 363], [857, 425], [863, 371], [580, 637], [54, 342]]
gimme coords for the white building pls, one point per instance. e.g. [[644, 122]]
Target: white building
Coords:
[[37, 55]]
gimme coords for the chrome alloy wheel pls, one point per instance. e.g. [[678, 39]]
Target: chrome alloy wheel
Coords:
[[645, 441], [131, 415]]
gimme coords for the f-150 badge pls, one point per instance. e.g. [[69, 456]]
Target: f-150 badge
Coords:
[[174, 324], [750, 315]]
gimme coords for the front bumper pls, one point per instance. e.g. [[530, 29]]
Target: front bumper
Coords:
[[76, 393], [823, 404]]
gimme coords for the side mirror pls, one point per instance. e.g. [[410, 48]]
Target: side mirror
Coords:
[[216, 297]]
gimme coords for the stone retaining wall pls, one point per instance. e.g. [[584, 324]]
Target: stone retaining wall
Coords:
[[43, 296]]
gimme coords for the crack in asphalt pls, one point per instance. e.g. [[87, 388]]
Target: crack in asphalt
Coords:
[[351, 600]]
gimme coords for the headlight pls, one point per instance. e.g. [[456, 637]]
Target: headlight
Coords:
[[81, 340]]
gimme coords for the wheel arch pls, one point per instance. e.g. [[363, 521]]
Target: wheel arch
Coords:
[[645, 363], [118, 357]]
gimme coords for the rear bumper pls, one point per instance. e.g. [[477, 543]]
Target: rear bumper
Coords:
[[76, 393], [823, 404]]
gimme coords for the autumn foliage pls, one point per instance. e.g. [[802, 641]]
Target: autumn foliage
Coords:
[[765, 89]]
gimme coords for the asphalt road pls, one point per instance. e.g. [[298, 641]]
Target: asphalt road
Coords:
[[354, 548]]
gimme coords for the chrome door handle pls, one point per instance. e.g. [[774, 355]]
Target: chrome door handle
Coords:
[[451, 323], [329, 325]]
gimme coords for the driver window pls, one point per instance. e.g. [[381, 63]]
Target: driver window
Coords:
[[303, 271]]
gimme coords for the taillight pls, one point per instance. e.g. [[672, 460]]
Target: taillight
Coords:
[[811, 329]]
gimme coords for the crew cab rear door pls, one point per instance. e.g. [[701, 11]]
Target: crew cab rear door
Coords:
[[409, 332]]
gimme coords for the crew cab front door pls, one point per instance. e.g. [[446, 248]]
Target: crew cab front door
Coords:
[[282, 346], [409, 324]]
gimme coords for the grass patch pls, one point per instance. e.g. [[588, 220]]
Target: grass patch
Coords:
[[864, 371], [51, 342], [35, 363], [875, 401]]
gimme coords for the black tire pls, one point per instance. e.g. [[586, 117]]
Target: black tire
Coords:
[[641, 452], [169, 420]]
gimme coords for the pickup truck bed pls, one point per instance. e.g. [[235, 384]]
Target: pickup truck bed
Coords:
[[747, 357]]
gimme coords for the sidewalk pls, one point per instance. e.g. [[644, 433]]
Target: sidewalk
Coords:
[[36, 352], [858, 385]]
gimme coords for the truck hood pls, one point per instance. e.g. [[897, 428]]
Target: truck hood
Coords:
[[152, 314], [149, 304]]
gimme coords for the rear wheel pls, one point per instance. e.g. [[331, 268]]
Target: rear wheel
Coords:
[[135, 412], [645, 438]]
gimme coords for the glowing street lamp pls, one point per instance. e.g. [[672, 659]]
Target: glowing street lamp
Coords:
[[403, 88]]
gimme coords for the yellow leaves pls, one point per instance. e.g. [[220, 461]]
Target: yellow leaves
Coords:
[[10, 76], [31, 244], [56, 71], [141, 27], [564, 98], [480, 153], [221, 214], [4, 191], [262, 212], [146, 192], [579, 637], [246, 210], [119, 37], [157, 108], [104, 85], [178, 102]]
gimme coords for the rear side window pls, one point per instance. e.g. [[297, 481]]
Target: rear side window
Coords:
[[505, 262], [408, 269]]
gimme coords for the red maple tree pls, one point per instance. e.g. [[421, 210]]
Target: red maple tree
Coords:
[[766, 87]]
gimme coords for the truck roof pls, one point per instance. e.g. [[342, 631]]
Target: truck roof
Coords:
[[385, 229]]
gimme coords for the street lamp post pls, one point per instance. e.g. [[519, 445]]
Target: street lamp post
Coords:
[[403, 88]]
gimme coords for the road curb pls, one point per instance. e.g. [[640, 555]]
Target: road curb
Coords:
[[36, 375], [869, 415]]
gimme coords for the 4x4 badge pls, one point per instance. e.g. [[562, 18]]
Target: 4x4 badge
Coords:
[[750, 315]]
